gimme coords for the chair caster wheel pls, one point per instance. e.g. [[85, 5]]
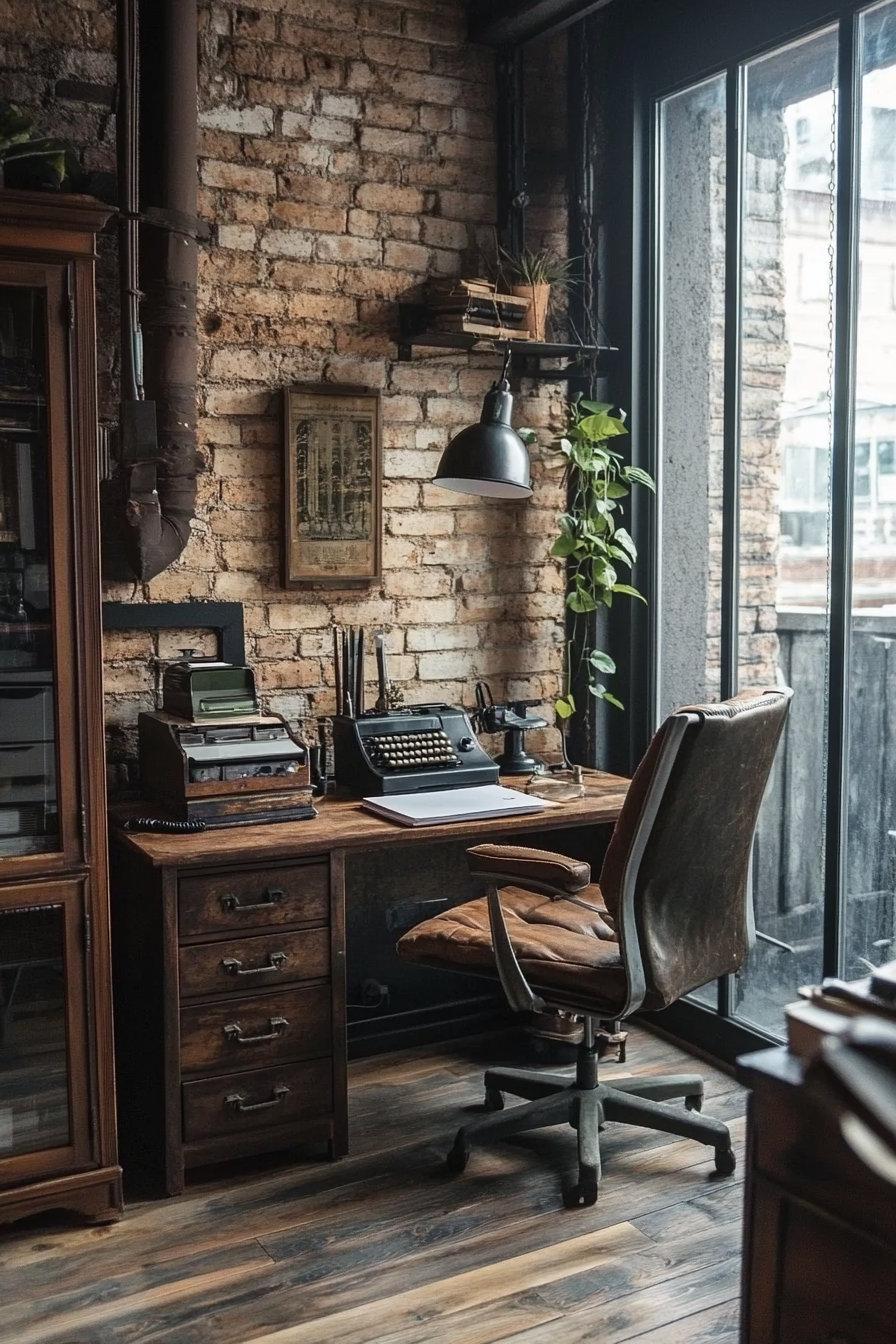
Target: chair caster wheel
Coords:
[[725, 1161], [456, 1160], [494, 1100], [580, 1195], [695, 1102]]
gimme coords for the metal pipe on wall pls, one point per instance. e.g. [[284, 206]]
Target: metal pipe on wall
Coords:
[[161, 492]]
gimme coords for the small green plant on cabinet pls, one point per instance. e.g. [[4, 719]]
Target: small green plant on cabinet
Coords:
[[591, 540], [32, 162]]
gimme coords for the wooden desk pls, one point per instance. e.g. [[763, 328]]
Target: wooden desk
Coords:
[[229, 976]]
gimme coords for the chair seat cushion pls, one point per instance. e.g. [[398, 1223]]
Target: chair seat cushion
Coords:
[[567, 952]]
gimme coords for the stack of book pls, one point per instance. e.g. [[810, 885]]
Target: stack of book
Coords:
[[829, 1009], [475, 307]]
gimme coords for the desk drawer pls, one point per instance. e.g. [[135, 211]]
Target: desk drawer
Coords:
[[241, 964], [259, 898], [835, 1286], [252, 1032], [239, 1103]]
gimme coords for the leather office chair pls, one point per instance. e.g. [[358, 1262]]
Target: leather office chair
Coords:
[[671, 912]]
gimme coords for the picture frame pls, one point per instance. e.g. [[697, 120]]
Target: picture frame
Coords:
[[332, 485]]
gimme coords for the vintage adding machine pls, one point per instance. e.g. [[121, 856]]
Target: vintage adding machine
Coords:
[[210, 755], [412, 750]]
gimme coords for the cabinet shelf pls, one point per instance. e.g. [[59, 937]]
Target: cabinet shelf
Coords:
[[528, 356]]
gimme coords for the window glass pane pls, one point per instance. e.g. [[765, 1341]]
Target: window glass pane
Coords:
[[28, 812], [870, 925], [691, 132], [34, 1110], [785, 443]]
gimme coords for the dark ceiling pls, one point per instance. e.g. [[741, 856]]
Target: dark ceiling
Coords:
[[500, 22]]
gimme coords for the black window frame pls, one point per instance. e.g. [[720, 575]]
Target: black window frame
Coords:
[[651, 49]]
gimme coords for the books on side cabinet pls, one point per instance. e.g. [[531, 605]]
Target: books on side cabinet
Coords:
[[830, 1009]]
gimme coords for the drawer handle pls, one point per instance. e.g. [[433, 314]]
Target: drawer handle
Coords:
[[271, 896], [239, 1103], [276, 962], [234, 1032]]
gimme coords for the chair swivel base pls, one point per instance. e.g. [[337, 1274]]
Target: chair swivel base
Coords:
[[553, 1099]]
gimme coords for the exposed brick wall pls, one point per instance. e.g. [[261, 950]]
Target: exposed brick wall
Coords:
[[346, 153]]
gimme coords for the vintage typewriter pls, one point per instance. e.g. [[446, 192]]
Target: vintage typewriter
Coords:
[[408, 751], [211, 756]]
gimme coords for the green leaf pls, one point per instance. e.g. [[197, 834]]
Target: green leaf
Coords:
[[630, 591], [642, 477], [601, 693], [528, 436], [623, 539], [596, 407], [601, 426], [565, 707], [564, 546], [616, 490], [602, 661], [620, 555], [580, 600], [603, 573]]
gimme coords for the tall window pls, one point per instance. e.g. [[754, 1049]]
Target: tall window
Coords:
[[774, 239]]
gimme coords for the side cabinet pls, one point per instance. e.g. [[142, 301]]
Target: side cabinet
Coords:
[[57, 1113], [229, 1022], [820, 1226]]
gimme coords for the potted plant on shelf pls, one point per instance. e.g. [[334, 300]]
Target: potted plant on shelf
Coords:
[[533, 276], [591, 540], [31, 163]]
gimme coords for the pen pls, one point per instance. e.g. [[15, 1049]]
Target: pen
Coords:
[[338, 668], [380, 645], [342, 707], [359, 696]]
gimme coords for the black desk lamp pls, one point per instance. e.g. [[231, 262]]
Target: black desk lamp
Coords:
[[489, 458]]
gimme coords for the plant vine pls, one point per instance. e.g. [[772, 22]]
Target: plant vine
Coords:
[[591, 540]]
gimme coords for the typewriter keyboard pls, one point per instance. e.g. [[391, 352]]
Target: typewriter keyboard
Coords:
[[412, 751]]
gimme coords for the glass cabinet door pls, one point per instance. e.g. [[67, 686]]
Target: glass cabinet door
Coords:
[[29, 809], [41, 1024]]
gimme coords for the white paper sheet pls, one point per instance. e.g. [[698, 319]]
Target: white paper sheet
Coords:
[[438, 807]]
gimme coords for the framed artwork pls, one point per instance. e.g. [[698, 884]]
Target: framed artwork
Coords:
[[332, 485]]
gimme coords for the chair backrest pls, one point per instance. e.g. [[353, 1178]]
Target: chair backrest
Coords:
[[676, 870]]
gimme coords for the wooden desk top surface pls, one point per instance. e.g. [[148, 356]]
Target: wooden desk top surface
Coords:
[[344, 824]]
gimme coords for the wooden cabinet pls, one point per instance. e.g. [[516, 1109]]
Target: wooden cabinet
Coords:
[[820, 1227], [57, 1136], [229, 994]]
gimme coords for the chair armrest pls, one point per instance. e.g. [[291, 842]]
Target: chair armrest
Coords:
[[535, 869]]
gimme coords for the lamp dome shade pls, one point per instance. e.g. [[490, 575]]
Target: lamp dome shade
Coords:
[[489, 458]]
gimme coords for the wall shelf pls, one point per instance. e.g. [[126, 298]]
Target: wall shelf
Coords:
[[528, 356]]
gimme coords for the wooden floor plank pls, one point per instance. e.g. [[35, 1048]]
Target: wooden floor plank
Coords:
[[385, 1241], [637, 1315], [360, 1325], [615, 1279]]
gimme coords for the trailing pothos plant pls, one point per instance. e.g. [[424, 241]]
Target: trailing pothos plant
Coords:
[[592, 541]]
